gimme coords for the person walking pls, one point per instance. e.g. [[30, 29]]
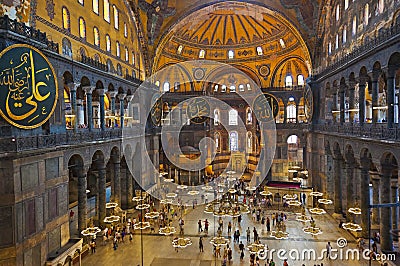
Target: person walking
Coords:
[[268, 225], [328, 250], [200, 227], [248, 234], [229, 227], [206, 226], [201, 247]]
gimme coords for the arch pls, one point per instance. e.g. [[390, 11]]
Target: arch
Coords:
[[66, 47]]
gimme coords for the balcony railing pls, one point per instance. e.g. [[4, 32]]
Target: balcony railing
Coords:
[[91, 62], [368, 45], [367, 131], [20, 28], [25, 143]]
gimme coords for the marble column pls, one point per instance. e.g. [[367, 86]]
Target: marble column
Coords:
[[82, 199], [361, 101], [395, 210], [102, 109], [391, 94], [102, 193], [375, 199], [375, 111], [337, 168], [117, 182], [335, 107], [73, 87], [129, 188], [121, 98], [89, 109], [351, 103], [350, 185], [386, 213], [341, 104], [285, 113], [124, 199], [365, 195], [112, 105]]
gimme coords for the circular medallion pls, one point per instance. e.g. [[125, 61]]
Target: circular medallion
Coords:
[[265, 107], [198, 73], [156, 109], [308, 103], [28, 87], [198, 110], [263, 70]]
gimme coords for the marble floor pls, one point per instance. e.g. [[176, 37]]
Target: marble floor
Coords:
[[156, 250]]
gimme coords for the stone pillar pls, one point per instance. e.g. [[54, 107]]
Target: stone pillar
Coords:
[[285, 113], [124, 199], [117, 181], [395, 210], [361, 100], [102, 109], [297, 113], [391, 91], [350, 185], [375, 199], [73, 88], [351, 103], [386, 219], [112, 105], [102, 192], [82, 199], [337, 165], [335, 106], [341, 103], [89, 110], [128, 106], [364, 204], [129, 189], [375, 104], [121, 98]]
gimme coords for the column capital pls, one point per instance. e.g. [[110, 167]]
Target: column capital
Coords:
[[362, 81], [365, 163], [89, 89], [129, 98], [100, 92], [73, 86], [113, 93], [121, 96]]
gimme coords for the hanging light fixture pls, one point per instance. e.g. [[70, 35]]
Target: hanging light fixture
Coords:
[[168, 230], [256, 248], [181, 242]]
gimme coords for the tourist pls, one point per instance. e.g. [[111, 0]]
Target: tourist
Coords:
[[200, 227], [248, 234], [201, 247], [328, 250]]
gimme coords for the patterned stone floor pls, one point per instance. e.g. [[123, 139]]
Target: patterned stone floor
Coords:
[[157, 250]]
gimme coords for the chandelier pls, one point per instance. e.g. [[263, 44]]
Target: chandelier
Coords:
[[219, 241], [279, 235], [312, 230], [141, 225], [151, 215], [90, 231], [111, 205], [352, 227], [168, 230], [355, 210], [181, 242], [111, 219], [227, 206], [256, 248]]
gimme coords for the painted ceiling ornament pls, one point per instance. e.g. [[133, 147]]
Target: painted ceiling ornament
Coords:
[[156, 12]]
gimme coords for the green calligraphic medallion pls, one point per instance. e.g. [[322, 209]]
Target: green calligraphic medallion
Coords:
[[156, 109], [265, 107], [198, 109], [28, 87]]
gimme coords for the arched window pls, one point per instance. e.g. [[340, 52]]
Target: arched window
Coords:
[[259, 50], [202, 54], [116, 17], [180, 48], [233, 141], [82, 28], [65, 18], [95, 4], [249, 116], [248, 87], [282, 43], [344, 40], [337, 42], [118, 46], [157, 83], [381, 6], [119, 70], [176, 86], [66, 47], [300, 80], [216, 88], [110, 66], [354, 29], [82, 51], [106, 10], [291, 111], [125, 30], [249, 142], [366, 14], [233, 117], [133, 58], [288, 81], [241, 87], [108, 43], [126, 54], [346, 4], [223, 88], [231, 54], [96, 36], [337, 12], [166, 86], [217, 117], [232, 88], [329, 48], [217, 139]]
